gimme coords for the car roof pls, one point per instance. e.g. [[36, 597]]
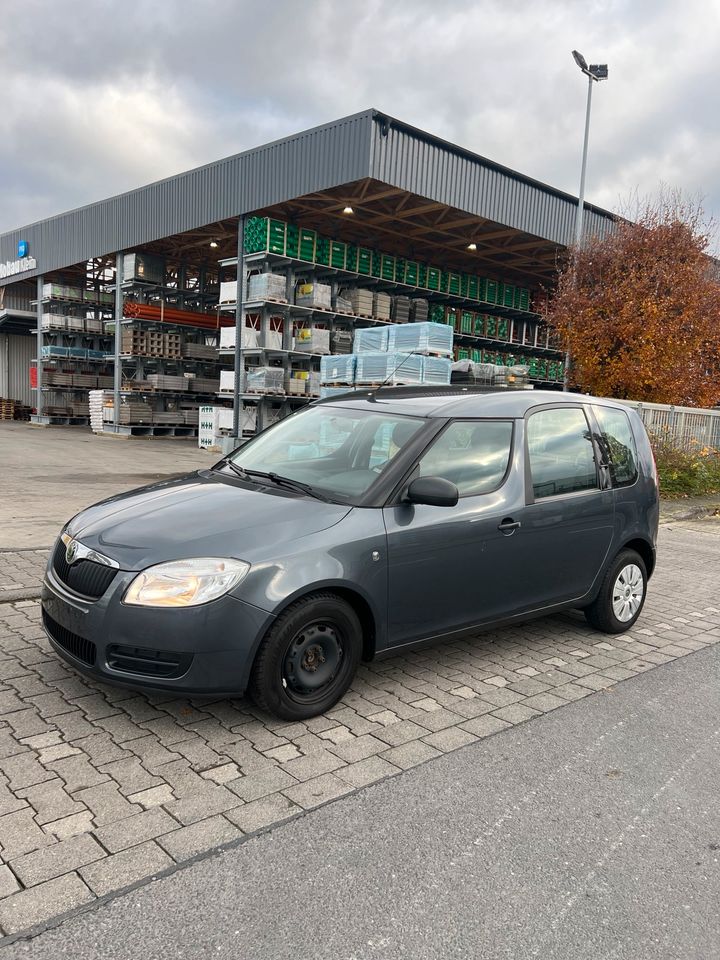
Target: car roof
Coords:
[[454, 401]]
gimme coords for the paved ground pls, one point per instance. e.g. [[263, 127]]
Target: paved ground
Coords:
[[101, 788], [589, 834], [49, 474]]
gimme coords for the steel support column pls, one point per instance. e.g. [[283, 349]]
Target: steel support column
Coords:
[[39, 364], [117, 368], [239, 329]]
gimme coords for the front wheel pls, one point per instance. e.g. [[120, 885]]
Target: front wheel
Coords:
[[621, 596], [308, 658]]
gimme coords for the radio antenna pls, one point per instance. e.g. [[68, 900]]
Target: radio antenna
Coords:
[[373, 392]]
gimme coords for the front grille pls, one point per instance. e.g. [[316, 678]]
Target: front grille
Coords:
[[78, 647], [84, 577], [151, 663]]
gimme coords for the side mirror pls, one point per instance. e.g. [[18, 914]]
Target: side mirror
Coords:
[[433, 491]]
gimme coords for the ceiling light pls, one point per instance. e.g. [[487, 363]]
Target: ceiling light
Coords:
[[214, 244], [472, 246], [348, 209]]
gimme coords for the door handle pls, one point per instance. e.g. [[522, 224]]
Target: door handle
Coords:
[[508, 526]]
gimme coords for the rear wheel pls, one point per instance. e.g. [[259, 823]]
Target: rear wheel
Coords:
[[621, 596], [308, 659]]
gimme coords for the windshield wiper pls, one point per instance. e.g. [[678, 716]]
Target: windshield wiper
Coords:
[[277, 479]]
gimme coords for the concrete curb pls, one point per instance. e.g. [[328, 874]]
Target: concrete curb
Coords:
[[24, 593]]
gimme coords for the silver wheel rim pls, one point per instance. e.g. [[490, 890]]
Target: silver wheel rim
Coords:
[[628, 592]]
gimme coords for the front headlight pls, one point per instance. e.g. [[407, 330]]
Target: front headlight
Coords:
[[185, 583]]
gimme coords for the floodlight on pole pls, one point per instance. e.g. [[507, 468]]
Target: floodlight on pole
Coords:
[[595, 72]]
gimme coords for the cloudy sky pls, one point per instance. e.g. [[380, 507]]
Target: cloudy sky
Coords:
[[101, 96]]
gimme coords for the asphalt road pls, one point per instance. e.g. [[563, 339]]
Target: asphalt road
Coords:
[[592, 832]]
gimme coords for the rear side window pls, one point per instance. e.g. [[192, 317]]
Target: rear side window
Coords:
[[560, 452], [619, 444], [472, 454]]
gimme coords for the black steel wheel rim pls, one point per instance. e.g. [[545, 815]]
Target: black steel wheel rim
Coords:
[[313, 661]]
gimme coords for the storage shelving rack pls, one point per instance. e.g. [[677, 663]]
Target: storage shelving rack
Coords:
[[73, 352], [157, 408], [524, 338]]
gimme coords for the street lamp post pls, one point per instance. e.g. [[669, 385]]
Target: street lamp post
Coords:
[[595, 72]]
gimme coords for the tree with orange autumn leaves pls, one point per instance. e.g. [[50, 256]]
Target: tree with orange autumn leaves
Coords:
[[639, 309]]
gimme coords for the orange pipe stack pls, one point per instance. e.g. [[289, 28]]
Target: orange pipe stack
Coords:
[[146, 311]]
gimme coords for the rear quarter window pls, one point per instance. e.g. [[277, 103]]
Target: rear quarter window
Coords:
[[618, 443]]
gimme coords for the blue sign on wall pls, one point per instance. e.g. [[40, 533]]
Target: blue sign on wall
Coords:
[[23, 248]]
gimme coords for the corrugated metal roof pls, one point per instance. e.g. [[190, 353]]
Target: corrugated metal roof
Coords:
[[367, 144]]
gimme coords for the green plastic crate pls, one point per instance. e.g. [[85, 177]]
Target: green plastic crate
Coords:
[[322, 251], [467, 321], [523, 298], [463, 353], [412, 273], [503, 330], [338, 254], [479, 325], [476, 356], [376, 268], [464, 278], [473, 287], [491, 291], [508, 294], [453, 284], [490, 326], [399, 270], [308, 242], [433, 278], [387, 267], [351, 258], [452, 317], [292, 241], [422, 276], [276, 236], [364, 261], [436, 313]]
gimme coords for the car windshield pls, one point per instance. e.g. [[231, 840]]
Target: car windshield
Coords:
[[338, 452]]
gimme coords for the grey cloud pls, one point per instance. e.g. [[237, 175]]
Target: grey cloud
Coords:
[[101, 97]]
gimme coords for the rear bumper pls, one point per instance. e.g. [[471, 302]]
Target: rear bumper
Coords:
[[212, 646]]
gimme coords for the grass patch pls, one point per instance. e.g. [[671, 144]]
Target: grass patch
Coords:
[[686, 473]]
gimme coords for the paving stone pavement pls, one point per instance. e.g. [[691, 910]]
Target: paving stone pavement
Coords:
[[101, 788], [21, 573]]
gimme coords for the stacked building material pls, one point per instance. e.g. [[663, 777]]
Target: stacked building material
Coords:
[[310, 338], [317, 295], [326, 392], [201, 351], [203, 385], [400, 310], [265, 380], [436, 370], [362, 302], [7, 409], [338, 369], [341, 341], [97, 400], [381, 306], [267, 286], [371, 340], [53, 321], [418, 309], [343, 304], [388, 368], [428, 338], [163, 381]]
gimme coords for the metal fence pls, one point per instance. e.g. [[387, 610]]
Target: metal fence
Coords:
[[685, 427]]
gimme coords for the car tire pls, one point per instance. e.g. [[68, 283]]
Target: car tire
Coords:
[[621, 596], [308, 658]]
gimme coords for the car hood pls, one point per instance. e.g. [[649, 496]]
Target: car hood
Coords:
[[200, 515]]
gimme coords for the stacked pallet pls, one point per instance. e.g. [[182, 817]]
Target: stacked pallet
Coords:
[[203, 385], [163, 381], [362, 302], [419, 310], [7, 409], [381, 306], [199, 351], [400, 310]]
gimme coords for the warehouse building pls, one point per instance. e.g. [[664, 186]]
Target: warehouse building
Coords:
[[131, 314]]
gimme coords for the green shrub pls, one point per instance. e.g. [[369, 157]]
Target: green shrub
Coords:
[[686, 473]]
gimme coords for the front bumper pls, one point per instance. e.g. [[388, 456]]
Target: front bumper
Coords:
[[214, 644]]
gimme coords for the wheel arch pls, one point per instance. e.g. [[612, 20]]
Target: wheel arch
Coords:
[[646, 551]]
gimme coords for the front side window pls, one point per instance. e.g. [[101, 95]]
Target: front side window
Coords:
[[339, 451], [560, 452], [473, 455], [619, 443]]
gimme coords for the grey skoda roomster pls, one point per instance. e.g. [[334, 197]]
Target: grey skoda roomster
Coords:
[[358, 526]]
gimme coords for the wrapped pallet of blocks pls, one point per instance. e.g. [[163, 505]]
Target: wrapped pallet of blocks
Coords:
[[436, 369], [381, 306], [362, 302], [429, 338], [316, 295], [338, 369], [267, 286], [400, 309], [312, 339], [326, 392], [265, 380], [341, 341], [388, 368], [371, 340], [419, 308]]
